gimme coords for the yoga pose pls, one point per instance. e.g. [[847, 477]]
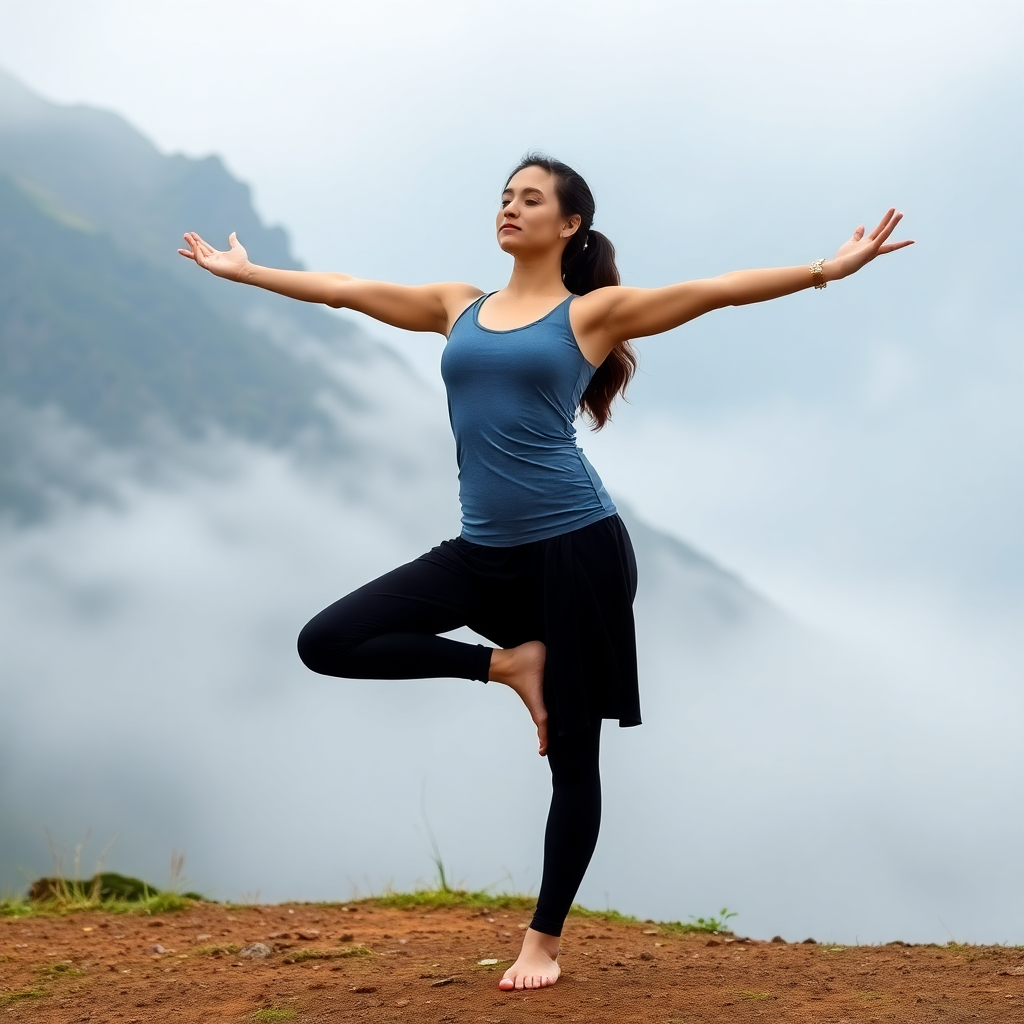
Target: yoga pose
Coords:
[[543, 567]]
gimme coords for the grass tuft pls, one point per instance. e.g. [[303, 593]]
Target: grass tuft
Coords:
[[9, 998], [480, 900], [61, 969], [271, 1014], [229, 948]]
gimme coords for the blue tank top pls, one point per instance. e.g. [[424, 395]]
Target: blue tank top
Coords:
[[512, 399]]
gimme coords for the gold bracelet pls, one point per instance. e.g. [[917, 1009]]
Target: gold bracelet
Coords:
[[818, 273]]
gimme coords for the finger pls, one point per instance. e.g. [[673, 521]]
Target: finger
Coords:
[[858, 234], [893, 246], [888, 229], [233, 240], [882, 223], [187, 252]]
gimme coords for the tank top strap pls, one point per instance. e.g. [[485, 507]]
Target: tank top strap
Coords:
[[471, 308]]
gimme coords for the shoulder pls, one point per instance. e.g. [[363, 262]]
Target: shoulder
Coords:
[[592, 311], [456, 299]]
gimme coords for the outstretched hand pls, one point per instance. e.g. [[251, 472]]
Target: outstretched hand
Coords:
[[852, 255], [230, 264]]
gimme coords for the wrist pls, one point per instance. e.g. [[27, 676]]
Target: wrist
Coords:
[[831, 271], [247, 273]]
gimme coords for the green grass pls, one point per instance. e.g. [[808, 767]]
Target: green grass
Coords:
[[106, 891], [271, 1014], [480, 900], [9, 998], [60, 970], [484, 900], [156, 903], [229, 947]]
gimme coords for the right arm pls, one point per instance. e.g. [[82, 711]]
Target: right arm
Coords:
[[428, 307]]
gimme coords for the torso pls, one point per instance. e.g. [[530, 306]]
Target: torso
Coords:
[[513, 394]]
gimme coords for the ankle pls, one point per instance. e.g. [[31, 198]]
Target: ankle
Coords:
[[549, 943], [501, 665]]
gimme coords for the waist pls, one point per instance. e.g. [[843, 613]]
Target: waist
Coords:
[[509, 501]]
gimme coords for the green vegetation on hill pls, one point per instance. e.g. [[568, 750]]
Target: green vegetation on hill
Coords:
[[104, 329], [113, 342]]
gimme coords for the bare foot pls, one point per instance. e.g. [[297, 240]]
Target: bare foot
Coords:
[[537, 966], [522, 668]]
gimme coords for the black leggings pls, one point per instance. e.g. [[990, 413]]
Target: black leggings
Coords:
[[387, 630]]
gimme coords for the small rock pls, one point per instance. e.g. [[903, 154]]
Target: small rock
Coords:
[[308, 933], [199, 938], [158, 948], [447, 981], [712, 942], [348, 936], [650, 931], [646, 956], [488, 962], [778, 938], [401, 1002], [256, 951], [809, 942], [364, 988]]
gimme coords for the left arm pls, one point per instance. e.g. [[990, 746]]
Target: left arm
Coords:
[[607, 317]]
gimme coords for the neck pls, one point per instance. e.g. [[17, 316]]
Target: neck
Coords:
[[537, 275]]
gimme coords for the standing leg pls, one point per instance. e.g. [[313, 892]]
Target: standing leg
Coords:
[[569, 841]]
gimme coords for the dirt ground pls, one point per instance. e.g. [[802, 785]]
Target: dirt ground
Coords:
[[367, 962]]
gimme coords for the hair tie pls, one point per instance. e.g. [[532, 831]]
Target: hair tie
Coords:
[[586, 240]]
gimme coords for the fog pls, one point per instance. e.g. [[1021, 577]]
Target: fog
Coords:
[[157, 702]]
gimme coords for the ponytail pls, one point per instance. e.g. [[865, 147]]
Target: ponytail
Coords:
[[588, 262]]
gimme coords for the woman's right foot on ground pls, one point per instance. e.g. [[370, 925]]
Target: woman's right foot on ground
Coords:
[[522, 668], [537, 965]]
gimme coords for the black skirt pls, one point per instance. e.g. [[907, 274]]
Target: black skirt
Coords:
[[575, 593]]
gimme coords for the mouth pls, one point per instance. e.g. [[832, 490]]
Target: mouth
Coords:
[[508, 227]]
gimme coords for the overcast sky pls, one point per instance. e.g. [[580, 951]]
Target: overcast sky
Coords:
[[849, 450]]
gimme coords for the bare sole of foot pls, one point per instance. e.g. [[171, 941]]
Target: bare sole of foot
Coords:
[[537, 966], [522, 668]]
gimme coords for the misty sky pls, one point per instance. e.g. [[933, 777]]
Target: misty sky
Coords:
[[856, 453], [852, 451]]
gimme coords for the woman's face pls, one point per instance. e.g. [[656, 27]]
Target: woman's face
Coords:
[[530, 220]]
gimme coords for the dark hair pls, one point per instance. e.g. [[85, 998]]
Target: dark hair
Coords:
[[588, 262]]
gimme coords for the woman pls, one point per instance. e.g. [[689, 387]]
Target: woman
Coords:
[[543, 567]]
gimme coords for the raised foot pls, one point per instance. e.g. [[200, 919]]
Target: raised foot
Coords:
[[522, 668], [537, 966]]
